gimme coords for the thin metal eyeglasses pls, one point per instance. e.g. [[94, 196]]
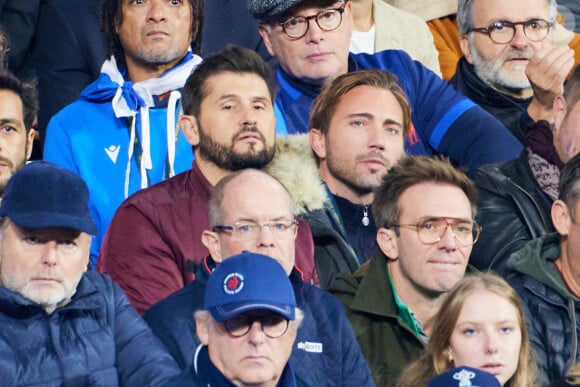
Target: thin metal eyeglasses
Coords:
[[433, 229], [244, 231], [503, 31], [295, 27], [273, 325]]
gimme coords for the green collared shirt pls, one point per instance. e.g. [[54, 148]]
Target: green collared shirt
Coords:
[[407, 315]]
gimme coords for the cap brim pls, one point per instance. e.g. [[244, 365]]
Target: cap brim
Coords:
[[42, 220], [222, 313]]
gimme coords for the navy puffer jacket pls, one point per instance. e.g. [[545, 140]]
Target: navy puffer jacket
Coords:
[[325, 352], [97, 339]]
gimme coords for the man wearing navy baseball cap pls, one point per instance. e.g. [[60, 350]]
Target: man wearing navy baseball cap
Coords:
[[77, 327], [248, 326]]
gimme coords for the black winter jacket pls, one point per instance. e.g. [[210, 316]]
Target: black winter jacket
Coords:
[[512, 209], [512, 112]]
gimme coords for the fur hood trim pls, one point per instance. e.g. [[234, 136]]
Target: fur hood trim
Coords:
[[295, 166]]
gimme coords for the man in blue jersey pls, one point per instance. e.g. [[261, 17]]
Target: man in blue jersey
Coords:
[[122, 134], [310, 39]]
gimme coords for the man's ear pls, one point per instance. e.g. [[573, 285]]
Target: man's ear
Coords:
[[559, 109], [465, 49], [202, 329], [264, 31], [30, 136], [561, 217], [211, 240], [190, 128], [317, 143], [387, 241]]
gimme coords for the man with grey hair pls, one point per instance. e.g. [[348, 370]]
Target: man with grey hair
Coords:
[[310, 39], [514, 63], [245, 289], [61, 324]]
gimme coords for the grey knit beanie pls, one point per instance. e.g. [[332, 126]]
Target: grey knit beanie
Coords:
[[266, 9]]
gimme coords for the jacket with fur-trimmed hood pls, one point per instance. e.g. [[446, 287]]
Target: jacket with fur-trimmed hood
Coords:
[[296, 167]]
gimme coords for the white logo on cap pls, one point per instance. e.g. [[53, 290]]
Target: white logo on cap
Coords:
[[233, 283], [464, 377]]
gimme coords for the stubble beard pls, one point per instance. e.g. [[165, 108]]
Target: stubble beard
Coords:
[[494, 74]]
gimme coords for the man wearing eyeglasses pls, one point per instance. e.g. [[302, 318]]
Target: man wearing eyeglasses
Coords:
[[511, 66], [310, 39], [424, 212], [250, 210], [247, 328], [154, 241]]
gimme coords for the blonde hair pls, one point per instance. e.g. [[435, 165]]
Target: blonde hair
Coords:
[[435, 358]]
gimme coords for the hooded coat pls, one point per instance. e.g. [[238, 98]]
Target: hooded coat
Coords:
[[552, 312], [295, 167]]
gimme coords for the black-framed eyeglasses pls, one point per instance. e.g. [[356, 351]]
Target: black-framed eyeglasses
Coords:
[[245, 230], [295, 27], [273, 325], [431, 230], [503, 31]]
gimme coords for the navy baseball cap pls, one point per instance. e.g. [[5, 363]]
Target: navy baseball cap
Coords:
[[42, 194], [267, 9], [463, 377], [249, 281]]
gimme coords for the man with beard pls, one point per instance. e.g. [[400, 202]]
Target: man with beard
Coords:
[[121, 134], [510, 65], [18, 107], [357, 128], [154, 240]]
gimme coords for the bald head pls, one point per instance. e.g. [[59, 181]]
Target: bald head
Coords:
[[250, 197], [242, 181]]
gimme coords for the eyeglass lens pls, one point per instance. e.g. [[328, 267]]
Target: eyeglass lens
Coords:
[[432, 231], [273, 325]]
